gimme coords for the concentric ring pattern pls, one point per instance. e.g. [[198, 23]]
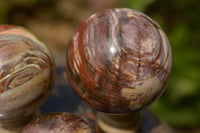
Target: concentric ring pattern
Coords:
[[26, 71]]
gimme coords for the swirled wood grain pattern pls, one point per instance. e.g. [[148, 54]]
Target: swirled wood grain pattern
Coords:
[[119, 60], [26, 72], [58, 123]]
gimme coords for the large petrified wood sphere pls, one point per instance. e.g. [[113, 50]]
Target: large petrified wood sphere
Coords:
[[119, 60], [26, 72], [58, 123]]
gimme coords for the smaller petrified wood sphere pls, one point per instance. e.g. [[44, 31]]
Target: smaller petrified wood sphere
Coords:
[[119, 60], [58, 123], [26, 72]]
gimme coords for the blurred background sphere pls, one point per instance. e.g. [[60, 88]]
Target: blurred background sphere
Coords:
[[54, 21]]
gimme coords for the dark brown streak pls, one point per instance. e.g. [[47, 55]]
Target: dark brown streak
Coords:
[[152, 22], [161, 46], [139, 60]]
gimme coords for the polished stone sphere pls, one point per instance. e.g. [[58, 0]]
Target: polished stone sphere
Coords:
[[27, 72], [58, 123], [119, 60]]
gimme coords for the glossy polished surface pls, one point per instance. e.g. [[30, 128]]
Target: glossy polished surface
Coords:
[[119, 60], [58, 123], [26, 72]]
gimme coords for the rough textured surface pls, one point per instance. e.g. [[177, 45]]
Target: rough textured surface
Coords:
[[26, 72], [58, 123], [119, 60]]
